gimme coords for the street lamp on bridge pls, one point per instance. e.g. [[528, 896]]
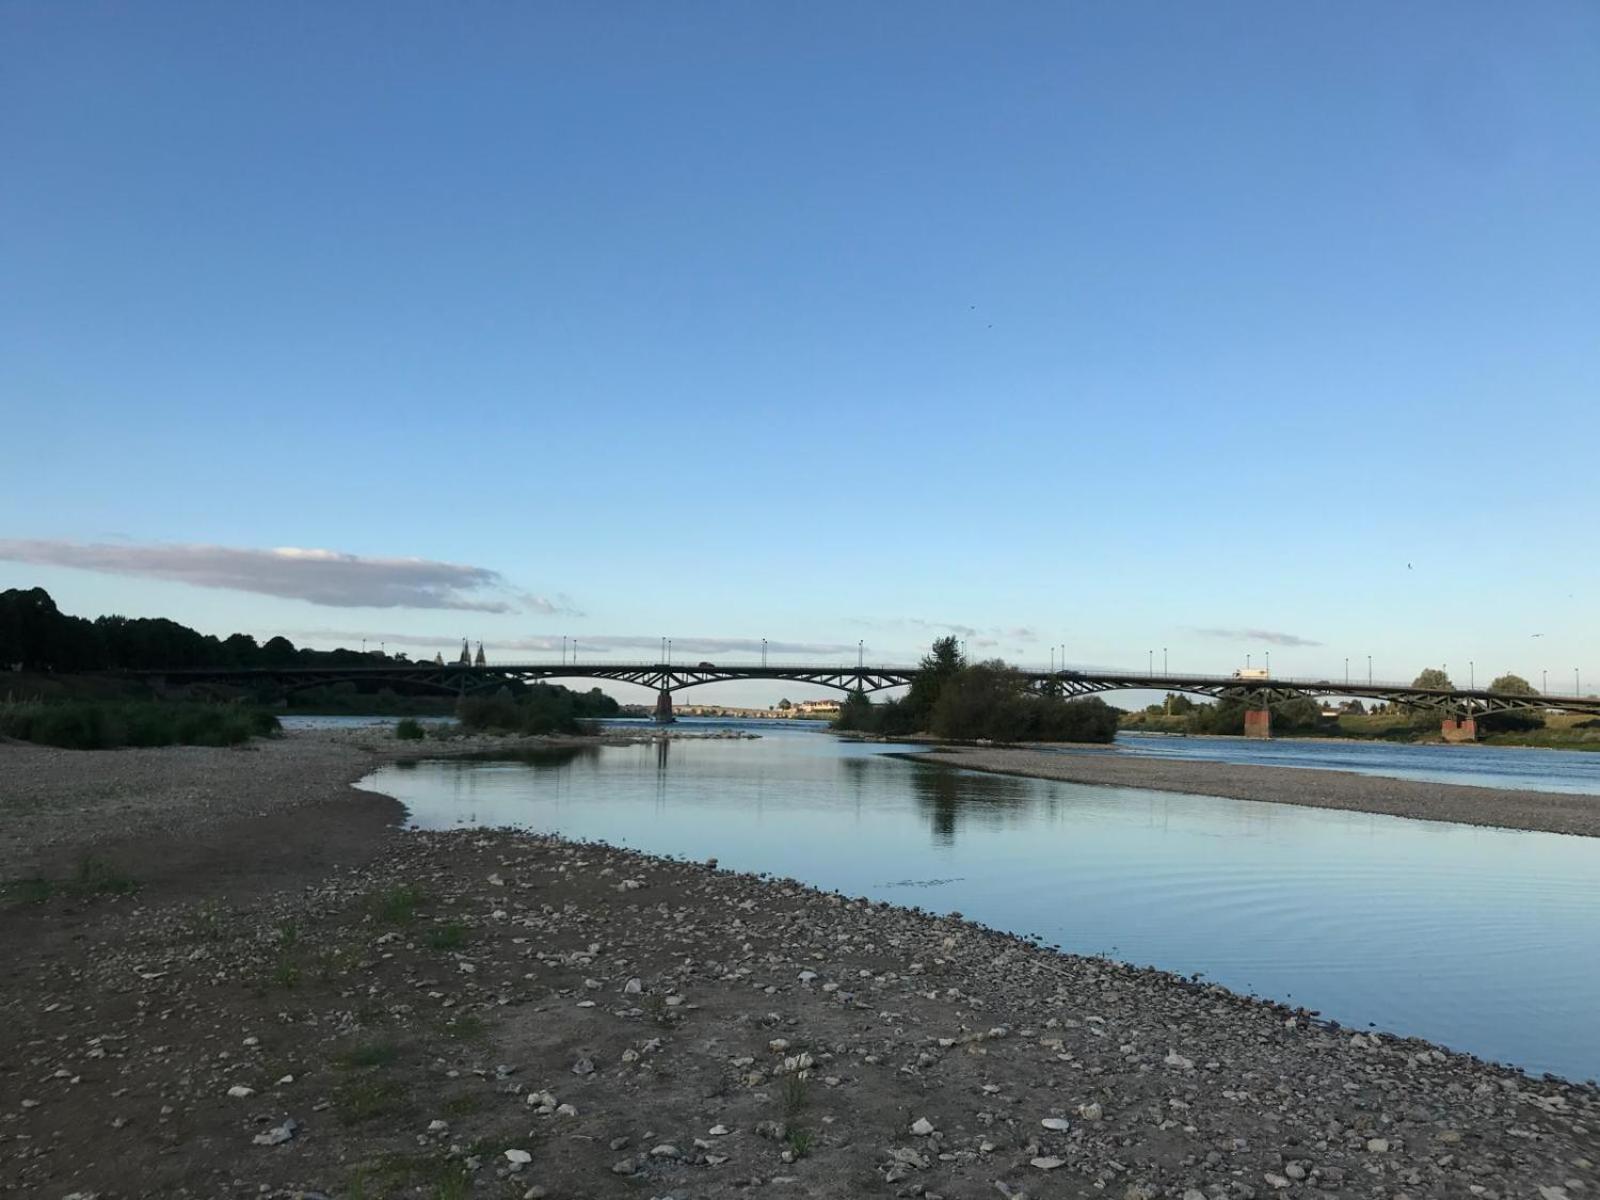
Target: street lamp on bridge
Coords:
[[763, 652]]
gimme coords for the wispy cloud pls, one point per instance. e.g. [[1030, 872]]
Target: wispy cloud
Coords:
[[325, 577], [1270, 636]]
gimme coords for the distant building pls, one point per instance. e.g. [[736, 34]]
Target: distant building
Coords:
[[466, 655], [438, 659], [479, 661]]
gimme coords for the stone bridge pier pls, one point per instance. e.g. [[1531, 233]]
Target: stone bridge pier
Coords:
[[664, 708], [1258, 722], [1459, 729]]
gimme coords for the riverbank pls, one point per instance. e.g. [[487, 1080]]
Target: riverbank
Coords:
[[495, 1014], [1551, 812]]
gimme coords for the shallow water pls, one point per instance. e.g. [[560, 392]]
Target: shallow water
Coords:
[[1485, 940]]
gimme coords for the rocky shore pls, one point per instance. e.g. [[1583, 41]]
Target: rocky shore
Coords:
[[494, 1014], [1551, 812]]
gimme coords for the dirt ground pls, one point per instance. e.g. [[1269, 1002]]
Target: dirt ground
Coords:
[[314, 1003]]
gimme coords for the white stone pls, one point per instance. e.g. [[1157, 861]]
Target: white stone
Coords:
[[1048, 1164], [922, 1127], [238, 1091], [1377, 1145], [1059, 1124], [1174, 1059]]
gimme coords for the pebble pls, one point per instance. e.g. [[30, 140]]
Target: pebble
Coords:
[[277, 1135], [1059, 1124], [1048, 1164], [922, 1127]]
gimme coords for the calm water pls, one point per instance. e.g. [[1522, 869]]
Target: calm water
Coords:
[[1487, 941]]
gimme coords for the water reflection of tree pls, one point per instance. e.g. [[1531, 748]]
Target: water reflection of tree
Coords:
[[946, 796]]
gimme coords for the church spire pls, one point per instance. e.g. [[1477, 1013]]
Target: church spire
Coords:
[[479, 661]]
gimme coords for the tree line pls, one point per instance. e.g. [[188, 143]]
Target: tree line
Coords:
[[952, 698], [37, 636]]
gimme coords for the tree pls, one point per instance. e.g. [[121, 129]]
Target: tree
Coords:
[[1513, 685], [942, 663], [1433, 678]]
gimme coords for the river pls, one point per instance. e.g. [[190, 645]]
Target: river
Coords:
[[1484, 940]]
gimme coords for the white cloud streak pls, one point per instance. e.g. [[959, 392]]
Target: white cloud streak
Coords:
[[326, 577]]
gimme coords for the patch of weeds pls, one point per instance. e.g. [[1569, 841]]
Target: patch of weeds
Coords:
[[368, 1099], [367, 1054], [452, 936], [408, 729], [801, 1141], [98, 877], [335, 961], [658, 1010], [466, 1028], [206, 920], [371, 1014], [289, 935], [463, 1105], [287, 973], [397, 905], [27, 891], [394, 1174], [795, 1094]]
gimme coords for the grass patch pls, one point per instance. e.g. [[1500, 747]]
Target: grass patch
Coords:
[[466, 1028], [397, 905], [94, 877], [287, 973], [801, 1141], [463, 1105], [367, 1054], [368, 1099], [795, 1095], [452, 936], [106, 724], [409, 730]]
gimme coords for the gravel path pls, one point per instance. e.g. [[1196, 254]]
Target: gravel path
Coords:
[[1552, 812]]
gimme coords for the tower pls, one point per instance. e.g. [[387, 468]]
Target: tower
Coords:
[[479, 661]]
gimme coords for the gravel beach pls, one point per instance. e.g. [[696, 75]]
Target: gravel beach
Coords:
[[1552, 812], [480, 1013]]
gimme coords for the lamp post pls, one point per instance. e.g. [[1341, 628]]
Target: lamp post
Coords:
[[861, 652], [1369, 670], [1269, 664], [1544, 682], [669, 652], [763, 652], [1150, 662], [1472, 676], [1347, 670], [1164, 670]]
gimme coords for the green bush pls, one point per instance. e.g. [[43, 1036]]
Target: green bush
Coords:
[[409, 730], [104, 725], [542, 708]]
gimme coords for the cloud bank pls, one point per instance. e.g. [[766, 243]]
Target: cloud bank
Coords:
[[325, 577], [1271, 637]]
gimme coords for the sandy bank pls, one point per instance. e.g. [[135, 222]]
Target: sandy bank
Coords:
[[1552, 812]]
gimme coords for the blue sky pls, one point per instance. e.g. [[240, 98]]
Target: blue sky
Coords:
[[1225, 328]]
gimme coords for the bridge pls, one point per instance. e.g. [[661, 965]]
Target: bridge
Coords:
[[1458, 707]]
